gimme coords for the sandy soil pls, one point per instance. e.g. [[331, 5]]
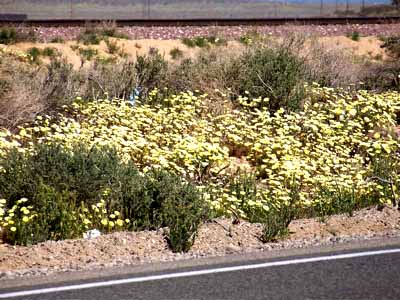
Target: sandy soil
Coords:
[[216, 238], [368, 47]]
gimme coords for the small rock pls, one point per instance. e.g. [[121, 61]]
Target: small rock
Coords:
[[232, 248]]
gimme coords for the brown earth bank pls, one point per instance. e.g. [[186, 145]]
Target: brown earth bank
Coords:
[[366, 47], [229, 32], [216, 238]]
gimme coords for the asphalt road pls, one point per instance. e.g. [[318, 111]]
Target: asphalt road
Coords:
[[356, 274]]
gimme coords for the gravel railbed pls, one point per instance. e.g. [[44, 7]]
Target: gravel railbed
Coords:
[[217, 238], [229, 32]]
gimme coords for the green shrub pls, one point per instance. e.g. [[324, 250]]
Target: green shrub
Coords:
[[276, 224], [112, 46], [216, 41], [49, 52], [8, 35], [60, 85], [93, 34], [354, 36], [81, 170], [110, 29], [57, 39], [280, 215], [12, 35], [250, 37], [176, 53], [180, 208], [151, 71], [34, 54], [188, 42], [201, 41], [89, 37], [276, 74], [59, 183], [88, 53]]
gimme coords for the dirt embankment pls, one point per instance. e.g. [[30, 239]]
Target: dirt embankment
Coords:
[[216, 238]]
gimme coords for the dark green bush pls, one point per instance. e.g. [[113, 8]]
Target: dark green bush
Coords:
[[12, 35], [201, 42], [278, 218], [93, 34], [57, 39], [49, 52], [276, 224], [88, 53], [34, 54], [54, 219], [56, 181], [188, 42], [8, 35], [180, 208], [82, 170], [90, 36], [354, 35], [217, 41], [271, 73], [176, 53], [151, 71]]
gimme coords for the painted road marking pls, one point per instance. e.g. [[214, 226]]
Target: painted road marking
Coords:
[[195, 273]]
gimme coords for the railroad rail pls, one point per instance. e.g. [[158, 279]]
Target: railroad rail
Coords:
[[204, 22]]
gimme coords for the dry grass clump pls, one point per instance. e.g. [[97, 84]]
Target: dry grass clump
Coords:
[[28, 90]]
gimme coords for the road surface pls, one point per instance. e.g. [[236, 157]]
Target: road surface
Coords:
[[367, 273]]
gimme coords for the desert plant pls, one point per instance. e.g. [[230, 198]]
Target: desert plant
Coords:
[[12, 35], [49, 52], [34, 54], [276, 74], [176, 53], [217, 41], [381, 76], [180, 207], [8, 35], [354, 36], [201, 42], [112, 46], [115, 80], [88, 54], [188, 42], [392, 45], [333, 67], [57, 39], [276, 224], [93, 34], [151, 71]]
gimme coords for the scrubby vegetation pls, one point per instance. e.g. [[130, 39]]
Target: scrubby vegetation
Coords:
[[265, 134], [12, 35], [93, 34]]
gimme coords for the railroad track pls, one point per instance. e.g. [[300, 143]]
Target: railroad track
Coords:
[[22, 19]]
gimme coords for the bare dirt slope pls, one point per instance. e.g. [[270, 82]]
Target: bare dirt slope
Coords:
[[366, 47], [216, 238]]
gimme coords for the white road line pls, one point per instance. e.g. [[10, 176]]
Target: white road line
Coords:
[[195, 273]]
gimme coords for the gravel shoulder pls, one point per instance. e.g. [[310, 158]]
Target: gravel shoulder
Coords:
[[229, 32], [217, 238]]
